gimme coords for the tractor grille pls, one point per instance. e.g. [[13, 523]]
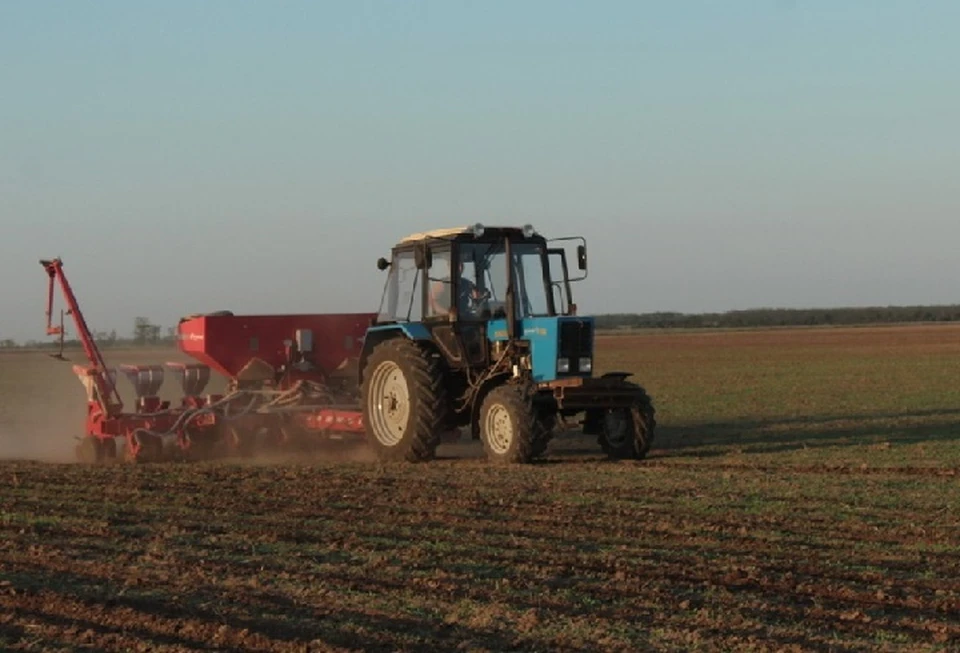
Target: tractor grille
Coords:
[[576, 341]]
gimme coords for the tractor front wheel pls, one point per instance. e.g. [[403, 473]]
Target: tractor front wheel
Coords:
[[404, 401], [508, 426]]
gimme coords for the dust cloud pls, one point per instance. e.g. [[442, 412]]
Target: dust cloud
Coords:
[[43, 411], [334, 451], [42, 408]]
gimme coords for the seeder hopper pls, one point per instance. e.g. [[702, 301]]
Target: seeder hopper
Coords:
[[291, 383]]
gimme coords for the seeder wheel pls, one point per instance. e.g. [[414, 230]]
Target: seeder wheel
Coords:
[[203, 446], [297, 439], [241, 441], [145, 448], [108, 448], [89, 450], [92, 450]]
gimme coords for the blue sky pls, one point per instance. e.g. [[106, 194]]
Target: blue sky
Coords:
[[185, 157]]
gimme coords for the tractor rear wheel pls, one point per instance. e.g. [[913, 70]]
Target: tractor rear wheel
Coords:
[[508, 426], [627, 433], [404, 401]]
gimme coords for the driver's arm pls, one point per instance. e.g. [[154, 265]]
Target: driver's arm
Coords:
[[436, 291]]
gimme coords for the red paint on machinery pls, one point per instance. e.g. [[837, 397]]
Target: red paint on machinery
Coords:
[[290, 379]]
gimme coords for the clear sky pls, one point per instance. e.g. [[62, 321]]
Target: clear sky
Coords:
[[195, 156]]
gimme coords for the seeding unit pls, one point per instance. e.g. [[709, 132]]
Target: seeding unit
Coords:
[[292, 381]]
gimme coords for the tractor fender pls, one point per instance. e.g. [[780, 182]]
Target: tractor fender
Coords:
[[377, 334]]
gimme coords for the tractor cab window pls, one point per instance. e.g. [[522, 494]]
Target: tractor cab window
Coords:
[[559, 283], [485, 269], [529, 268], [403, 292], [440, 290]]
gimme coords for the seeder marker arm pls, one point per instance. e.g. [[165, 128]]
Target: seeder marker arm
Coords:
[[107, 394]]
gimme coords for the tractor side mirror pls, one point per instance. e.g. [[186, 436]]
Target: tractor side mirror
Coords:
[[582, 257], [423, 257], [382, 264]]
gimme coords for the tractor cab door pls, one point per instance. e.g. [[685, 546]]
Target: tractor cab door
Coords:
[[560, 280], [462, 343]]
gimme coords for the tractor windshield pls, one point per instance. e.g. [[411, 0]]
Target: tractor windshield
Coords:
[[401, 295], [485, 269]]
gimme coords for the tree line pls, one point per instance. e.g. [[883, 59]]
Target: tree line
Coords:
[[144, 333], [781, 317]]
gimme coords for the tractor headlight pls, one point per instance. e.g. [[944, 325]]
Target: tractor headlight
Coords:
[[528, 230], [477, 230], [563, 365], [586, 365]]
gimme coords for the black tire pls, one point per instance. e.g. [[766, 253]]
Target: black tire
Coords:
[[408, 428], [151, 448], [508, 425], [628, 433], [545, 426], [246, 442], [203, 445], [108, 450]]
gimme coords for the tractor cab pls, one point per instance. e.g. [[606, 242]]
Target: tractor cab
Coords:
[[464, 274], [471, 290]]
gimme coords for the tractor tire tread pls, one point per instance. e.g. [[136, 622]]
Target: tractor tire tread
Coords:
[[428, 398], [545, 429], [643, 423], [517, 402]]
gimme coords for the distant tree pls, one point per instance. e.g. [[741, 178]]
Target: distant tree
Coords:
[[141, 327], [144, 332], [8, 343]]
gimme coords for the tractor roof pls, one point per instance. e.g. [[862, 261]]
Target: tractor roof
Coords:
[[453, 232], [436, 233]]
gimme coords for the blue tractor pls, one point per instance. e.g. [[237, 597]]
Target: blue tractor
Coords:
[[477, 329]]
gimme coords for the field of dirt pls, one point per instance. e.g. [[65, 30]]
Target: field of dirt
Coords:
[[803, 494]]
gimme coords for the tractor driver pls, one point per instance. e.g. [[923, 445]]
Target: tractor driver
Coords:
[[468, 295]]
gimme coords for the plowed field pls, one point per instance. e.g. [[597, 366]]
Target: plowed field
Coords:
[[804, 494]]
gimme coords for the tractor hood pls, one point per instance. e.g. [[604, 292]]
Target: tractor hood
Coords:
[[561, 347]]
